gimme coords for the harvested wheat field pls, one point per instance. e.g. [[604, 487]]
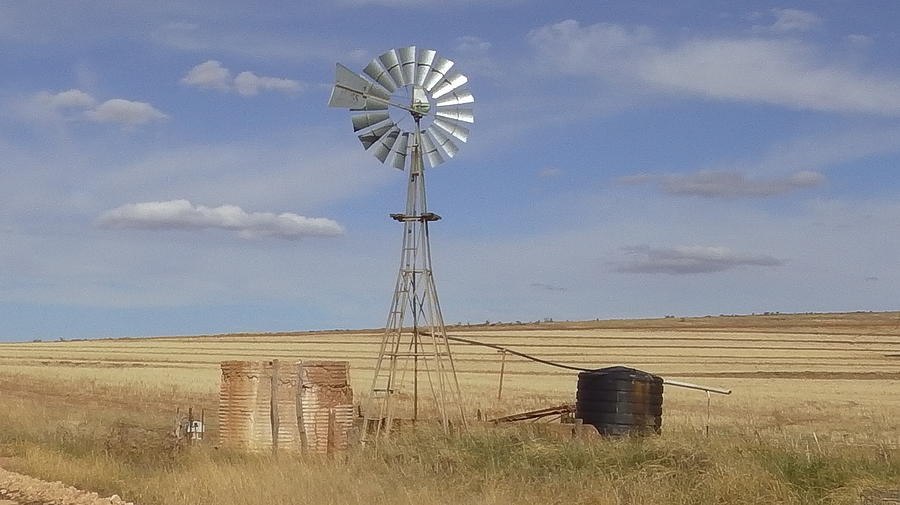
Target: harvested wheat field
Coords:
[[812, 417]]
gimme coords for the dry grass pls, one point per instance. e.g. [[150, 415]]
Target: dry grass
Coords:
[[806, 423], [121, 447]]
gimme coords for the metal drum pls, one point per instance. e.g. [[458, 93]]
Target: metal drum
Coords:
[[620, 401]]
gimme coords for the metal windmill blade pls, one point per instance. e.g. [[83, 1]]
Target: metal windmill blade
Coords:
[[400, 151], [451, 128], [391, 62], [423, 66], [457, 97], [370, 137], [448, 84], [440, 68], [442, 141], [408, 64]]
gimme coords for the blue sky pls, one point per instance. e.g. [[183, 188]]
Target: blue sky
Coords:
[[172, 167]]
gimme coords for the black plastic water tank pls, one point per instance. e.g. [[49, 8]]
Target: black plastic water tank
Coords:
[[620, 400]]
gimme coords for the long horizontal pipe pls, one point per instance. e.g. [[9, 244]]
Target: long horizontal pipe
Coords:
[[688, 385], [670, 382], [517, 353]]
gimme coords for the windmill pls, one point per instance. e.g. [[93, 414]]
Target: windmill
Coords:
[[408, 108]]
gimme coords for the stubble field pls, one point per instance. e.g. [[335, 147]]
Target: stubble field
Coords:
[[819, 389]]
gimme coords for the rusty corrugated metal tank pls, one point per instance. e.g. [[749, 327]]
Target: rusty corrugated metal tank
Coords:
[[326, 405], [237, 403], [620, 401], [245, 405]]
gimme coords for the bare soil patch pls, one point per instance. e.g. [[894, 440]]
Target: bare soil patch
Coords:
[[27, 490]]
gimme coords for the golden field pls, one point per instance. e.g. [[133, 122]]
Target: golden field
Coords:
[[812, 417], [818, 359]]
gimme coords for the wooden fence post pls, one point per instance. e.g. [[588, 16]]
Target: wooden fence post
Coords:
[[273, 406], [502, 368], [332, 432]]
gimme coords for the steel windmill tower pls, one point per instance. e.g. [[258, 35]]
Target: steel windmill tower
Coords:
[[408, 108]]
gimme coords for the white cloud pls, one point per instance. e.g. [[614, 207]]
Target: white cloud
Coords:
[[779, 72], [182, 214], [209, 74], [688, 260], [125, 112], [73, 98], [715, 184], [76, 104], [789, 20], [774, 72], [858, 40], [601, 48], [476, 55], [212, 75], [794, 19], [472, 44], [48, 107], [249, 84], [359, 54], [820, 151]]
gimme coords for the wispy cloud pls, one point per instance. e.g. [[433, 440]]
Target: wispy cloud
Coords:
[[256, 45], [790, 20], [792, 166], [212, 74], [550, 172], [479, 58], [688, 260], [249, 84], [858, 40], [420, 3], [542, 286], [183, 215], [712, 184], [783, 72]]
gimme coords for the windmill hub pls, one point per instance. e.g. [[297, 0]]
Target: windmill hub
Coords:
[[420, 83], [420, 104]]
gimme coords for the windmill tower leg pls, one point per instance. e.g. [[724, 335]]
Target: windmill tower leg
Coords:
[[415, 340]]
